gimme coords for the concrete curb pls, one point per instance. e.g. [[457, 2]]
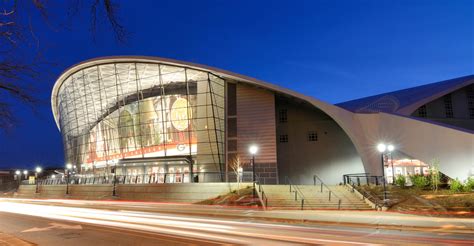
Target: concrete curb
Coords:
[[6, 239]]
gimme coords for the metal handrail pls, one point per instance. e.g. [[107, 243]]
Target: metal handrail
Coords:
[[294, 188], [154, 178], [377, 202], [363, 176], [261, 191], [331, 193]]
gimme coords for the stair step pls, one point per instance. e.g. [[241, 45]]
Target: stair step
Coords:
[[279, 196]]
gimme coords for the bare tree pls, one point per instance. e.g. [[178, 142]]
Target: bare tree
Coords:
[[22, 61], [237, 167]]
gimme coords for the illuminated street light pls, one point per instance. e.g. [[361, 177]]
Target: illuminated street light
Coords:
[[67, 172], [381, 147], [53, 176], [390, 148], [18, 176], [25, 172], [253, 149], [38, 171]]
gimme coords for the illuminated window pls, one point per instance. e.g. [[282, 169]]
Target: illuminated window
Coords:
[[283, 116], [312, 136], [422, 111], [448, 106], [284, 138]]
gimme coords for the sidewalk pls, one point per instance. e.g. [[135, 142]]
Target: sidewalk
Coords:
[[387, 220], [7, 240]]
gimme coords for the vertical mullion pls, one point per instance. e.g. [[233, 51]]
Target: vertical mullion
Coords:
[[139, 111], [214, 118], [187, 111], [118, 110], [162, 109]]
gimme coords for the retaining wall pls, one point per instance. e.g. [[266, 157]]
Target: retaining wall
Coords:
[[176, 192]]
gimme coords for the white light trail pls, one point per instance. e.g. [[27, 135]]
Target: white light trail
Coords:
[[234, 232]]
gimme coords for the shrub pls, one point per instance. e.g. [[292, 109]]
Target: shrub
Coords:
[[456, 185], [435, 177], [400, 180], [419, 181], [469, 185]]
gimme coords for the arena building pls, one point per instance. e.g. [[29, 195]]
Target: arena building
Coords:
[[155, 116]]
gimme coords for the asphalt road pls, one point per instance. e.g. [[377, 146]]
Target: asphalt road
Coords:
[[52, 224]]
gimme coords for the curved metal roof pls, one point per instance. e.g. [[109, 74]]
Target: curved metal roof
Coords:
[[406, 101], [165, 61]]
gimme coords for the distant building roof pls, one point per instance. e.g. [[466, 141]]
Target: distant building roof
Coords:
[[407, 100]]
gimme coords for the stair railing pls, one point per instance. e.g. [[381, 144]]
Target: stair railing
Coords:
[[261, 192], [295, 189], [331, 194], [355, 185]]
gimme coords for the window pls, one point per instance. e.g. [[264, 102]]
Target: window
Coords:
[[448, 106], [470, 101], [312, 136], [284, 138], [283, 116], [422, 111], [231, 99], [231, 127]]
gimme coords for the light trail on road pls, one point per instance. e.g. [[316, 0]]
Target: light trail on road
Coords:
[[222, 230]]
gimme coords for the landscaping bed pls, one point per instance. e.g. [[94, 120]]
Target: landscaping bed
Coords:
[[241, 197], [443, 202]]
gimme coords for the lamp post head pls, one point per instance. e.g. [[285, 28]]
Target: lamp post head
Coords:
[[25, 172], [253, 149], [17, 172], [381, 147], [38, 169], [69, 166], [390, 148], [53, 176]]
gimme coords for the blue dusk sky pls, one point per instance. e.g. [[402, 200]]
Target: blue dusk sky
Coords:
[[332, 50]]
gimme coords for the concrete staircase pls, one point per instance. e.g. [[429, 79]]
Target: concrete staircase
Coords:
[[26, 191], [280, 197]]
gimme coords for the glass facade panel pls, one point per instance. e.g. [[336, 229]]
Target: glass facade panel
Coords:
[[124, 112]]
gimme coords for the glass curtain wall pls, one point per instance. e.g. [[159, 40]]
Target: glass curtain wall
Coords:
[[122, 111]]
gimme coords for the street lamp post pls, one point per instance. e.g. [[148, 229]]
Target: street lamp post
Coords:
[[37, 172], [390, 149], [67, 172], [114, 172], [253, 149], [25, 172], [18, 176], [382, 148]]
